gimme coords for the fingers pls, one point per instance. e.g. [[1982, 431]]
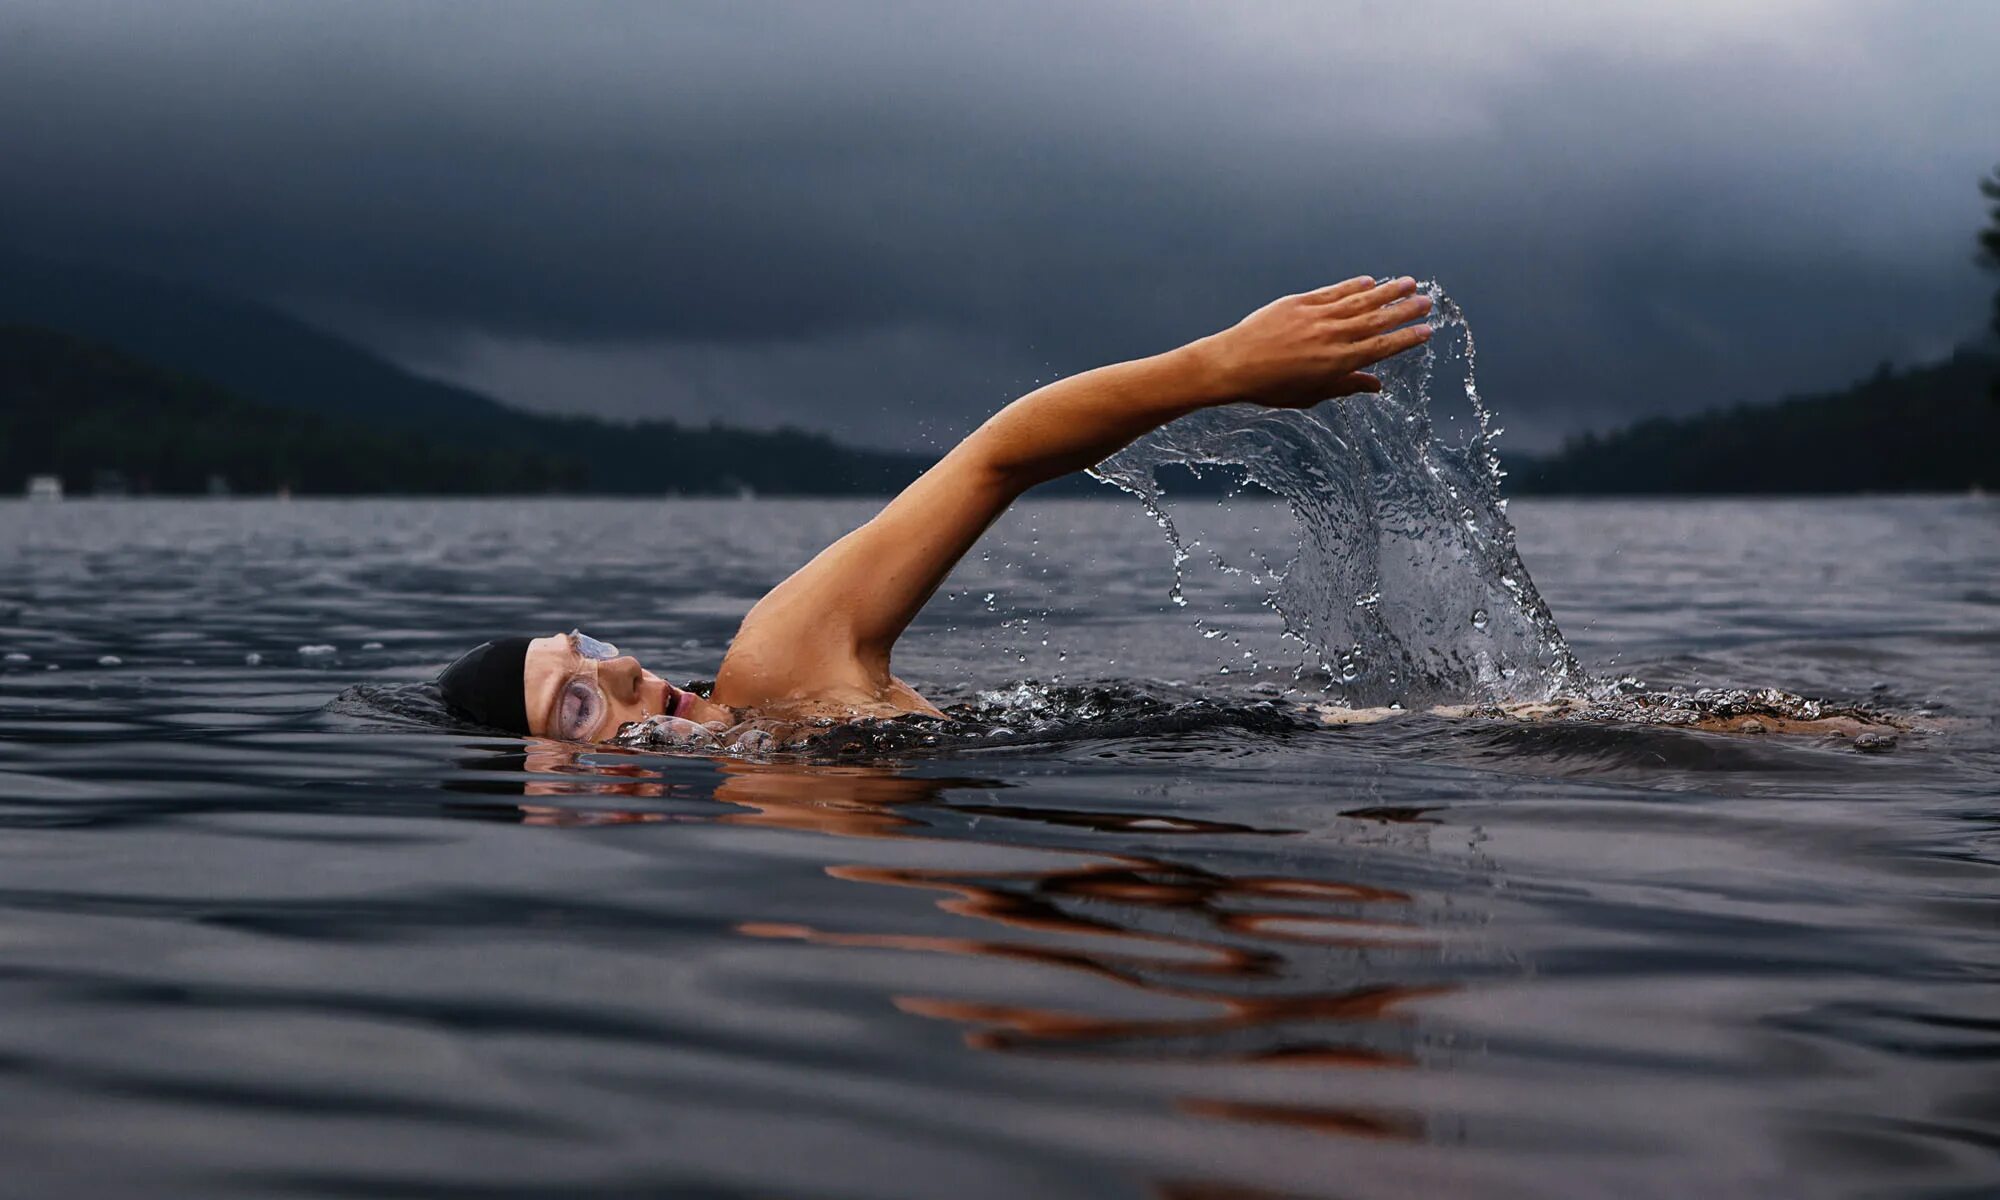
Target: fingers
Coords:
[[1341, 290], [1391, 315], [1384, 345], [1368, 299], [1352, 383]]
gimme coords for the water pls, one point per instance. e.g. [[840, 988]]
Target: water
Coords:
[[1401, 580], [1164, 937]]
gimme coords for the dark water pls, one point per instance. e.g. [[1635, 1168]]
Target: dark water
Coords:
[[1162, 938]]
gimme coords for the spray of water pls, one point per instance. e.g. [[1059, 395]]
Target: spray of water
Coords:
[[1405, 586]]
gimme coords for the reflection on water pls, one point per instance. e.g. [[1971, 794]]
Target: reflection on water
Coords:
[[1241, 960]]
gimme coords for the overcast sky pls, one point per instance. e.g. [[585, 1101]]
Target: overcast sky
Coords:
[[886, 219]]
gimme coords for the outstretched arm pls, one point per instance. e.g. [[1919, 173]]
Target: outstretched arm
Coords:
[[860, 593]]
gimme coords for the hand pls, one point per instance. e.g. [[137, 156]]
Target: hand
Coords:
[[1299, 350]]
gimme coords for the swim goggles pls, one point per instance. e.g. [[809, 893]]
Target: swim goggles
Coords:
[[580, 703]]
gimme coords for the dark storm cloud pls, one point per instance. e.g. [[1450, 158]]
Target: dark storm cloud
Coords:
[[887, 217]]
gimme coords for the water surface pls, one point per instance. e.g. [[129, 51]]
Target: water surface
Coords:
[[265, 932]]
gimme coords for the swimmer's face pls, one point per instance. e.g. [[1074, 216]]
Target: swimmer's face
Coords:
[[581, 690]]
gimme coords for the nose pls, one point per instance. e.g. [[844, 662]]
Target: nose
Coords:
[[619, 677]]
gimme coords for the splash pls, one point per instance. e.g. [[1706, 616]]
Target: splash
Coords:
[[1024, 714], [1404, 585]]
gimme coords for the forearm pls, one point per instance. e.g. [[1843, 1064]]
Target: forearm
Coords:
[[1080, 421]]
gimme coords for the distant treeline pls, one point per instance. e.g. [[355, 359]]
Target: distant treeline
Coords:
[[157, 386], [652, 457], [102, 420], [446, 438], [96, 418], [1934, 428]]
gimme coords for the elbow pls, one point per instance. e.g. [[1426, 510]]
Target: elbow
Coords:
[[989, 465]]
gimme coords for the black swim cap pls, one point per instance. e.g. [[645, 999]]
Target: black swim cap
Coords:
[[487, 686]]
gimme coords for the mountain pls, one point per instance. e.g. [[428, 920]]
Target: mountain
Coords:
[[99, 418], [263, 357], [1931, 428], [248, 349]]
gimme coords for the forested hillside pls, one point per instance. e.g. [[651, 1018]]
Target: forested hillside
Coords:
[[1933, 428]]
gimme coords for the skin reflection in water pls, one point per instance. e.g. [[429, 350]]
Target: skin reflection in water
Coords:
[[1223, 945]]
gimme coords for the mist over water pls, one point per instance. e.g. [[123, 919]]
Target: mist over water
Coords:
[[1403, 584]]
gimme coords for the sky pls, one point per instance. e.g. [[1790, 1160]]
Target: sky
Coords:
[[885, 220]]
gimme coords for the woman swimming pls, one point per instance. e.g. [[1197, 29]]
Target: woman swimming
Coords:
[[818, 645]]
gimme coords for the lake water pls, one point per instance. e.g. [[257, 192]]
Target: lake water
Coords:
[[266, 931]]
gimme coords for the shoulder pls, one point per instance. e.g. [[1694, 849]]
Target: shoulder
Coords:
[[784, 655], [802, 669]]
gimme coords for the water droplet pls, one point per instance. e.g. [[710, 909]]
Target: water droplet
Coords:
[[252, 658], [110, 660], [16, 656], [1479, 619]]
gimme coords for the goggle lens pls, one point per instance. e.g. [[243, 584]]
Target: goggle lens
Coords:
[[578, 709], [590, 647]]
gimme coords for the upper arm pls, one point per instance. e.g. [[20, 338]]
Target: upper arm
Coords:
[[847, 606], [858, 595]]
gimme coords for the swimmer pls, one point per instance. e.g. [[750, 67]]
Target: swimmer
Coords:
[[818, 645]]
